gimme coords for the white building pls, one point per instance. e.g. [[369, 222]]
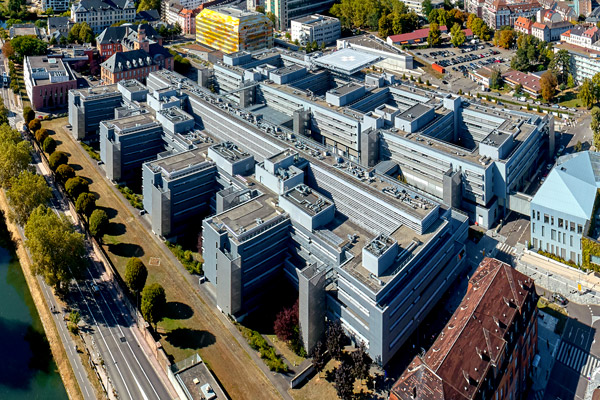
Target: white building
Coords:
[[316, 28], [417, 5], [99, 15], [288, 10], [56, 5]]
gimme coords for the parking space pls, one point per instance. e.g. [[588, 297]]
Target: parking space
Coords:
[[459, 61]]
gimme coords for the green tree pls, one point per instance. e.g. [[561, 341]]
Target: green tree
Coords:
[[56, 249], [14, 6], [27, 191], [77, 185], [506, 38], [57, 159], [148, 5], [153, 305], [53, 41], [49, 145], [49, 11], [41, 135], [64, 172], [385, 26], [570, 82], [3, 114], [85, 34], [28, 114], [85, 204], [272, 17], [435, 35], [15, 155], [427, 7], [74, 33], [28, 45], [98, 223], [8, 50], [495, 79], [135, 275], [586, 93], [548, 85], [560, 65], [595, 126], [34, 125], [458, 36]]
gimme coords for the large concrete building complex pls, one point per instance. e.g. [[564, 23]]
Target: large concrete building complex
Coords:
[[90, 106], [487, 349], [304, 168], [47, 82], [287, 10], [464, 154], [230, 29]]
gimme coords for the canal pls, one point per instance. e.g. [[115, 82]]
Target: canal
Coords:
[[27, 369]]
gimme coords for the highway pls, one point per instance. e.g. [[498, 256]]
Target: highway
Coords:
[[112, 327]]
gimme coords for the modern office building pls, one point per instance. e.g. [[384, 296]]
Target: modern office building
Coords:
[[316, 28], [464, 154], [563, 208], [56, 5], [287, 10], [230, 29], [47, 82], [486, 350], [89, 106], [100, 14], [126, 143], [393, 59]]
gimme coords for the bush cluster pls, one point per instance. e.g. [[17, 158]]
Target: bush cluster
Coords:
[[267, 352], [186, 257]]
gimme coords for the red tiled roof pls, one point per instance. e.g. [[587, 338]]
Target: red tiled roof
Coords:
[[539, 25], [474, 339], [528, 81], [414, 35], [524, 22], [468, 32]]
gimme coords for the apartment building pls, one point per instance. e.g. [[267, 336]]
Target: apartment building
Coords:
[[316, 28], [230, 30], [100, 14], [47, 82], [523, 25], [501, 13], [486, 351], [184, 17], [287, 10], [550, 31], [581, 41], [56, 5], [89, 106]]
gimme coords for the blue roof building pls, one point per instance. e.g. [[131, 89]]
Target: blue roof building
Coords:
[[564, 205]]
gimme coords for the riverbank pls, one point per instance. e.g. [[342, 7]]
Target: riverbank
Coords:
[[56, 346]]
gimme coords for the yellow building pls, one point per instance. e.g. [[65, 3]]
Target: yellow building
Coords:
[[231, 30]]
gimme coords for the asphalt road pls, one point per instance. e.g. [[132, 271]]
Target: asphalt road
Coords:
[[111, 327]]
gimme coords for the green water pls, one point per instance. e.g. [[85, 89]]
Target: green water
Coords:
[[27, 369]]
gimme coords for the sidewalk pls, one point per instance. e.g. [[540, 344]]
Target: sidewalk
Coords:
[[561, 278], [548, 342]]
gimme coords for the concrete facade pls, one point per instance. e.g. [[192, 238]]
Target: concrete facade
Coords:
[[47, 82], [88, 107]]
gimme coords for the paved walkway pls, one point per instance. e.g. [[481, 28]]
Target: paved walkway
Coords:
[[548, 343]]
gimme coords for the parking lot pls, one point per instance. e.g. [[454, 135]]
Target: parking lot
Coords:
[[459, 61]]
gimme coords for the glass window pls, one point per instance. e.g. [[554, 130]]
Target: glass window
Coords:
[[571, 241], [538, 215], [572, 226], [533, 227], [543, 229], [553, 234], [546, 218], [560, 222], [552, 220], [579, 228]]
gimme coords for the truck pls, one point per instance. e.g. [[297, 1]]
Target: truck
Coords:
[[438, 68]]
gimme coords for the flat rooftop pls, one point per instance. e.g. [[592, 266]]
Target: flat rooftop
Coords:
[[415, 112], [180, 161], [175, 114], [308, 199], [408, 240], [133, 121], [230, 151], [287, 70], [371, 42], [246, 216], [345, 89], [132, 85], [98, 91], [347, 60]]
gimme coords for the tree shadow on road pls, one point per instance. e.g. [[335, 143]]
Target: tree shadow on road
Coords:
[[126, 250], [185, 338], [177, 310]]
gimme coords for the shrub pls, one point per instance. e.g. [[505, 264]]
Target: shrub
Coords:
[[134, 199], [57, 159], [186, 257], [41, 135], [267, 352], [77, 185], [64, 172], [49, 145], [34, 125]]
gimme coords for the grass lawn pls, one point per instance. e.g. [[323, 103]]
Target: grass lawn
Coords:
[[190, 325], [569, 100], [285, 350], [556, 311]]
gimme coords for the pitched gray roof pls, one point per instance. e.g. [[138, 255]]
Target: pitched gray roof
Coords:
[[116, 34], [128, 60]]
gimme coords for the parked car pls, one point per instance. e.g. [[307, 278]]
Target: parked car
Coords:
[[560, 299]]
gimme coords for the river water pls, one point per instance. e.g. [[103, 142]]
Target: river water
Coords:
[[27, 369]]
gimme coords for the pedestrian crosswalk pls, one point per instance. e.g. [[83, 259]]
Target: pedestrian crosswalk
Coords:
[[577, 359], [506, 248]]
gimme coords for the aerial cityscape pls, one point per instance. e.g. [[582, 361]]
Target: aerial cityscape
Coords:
[[296, 199]]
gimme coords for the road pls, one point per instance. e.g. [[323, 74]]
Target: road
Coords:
[[112, 328]]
